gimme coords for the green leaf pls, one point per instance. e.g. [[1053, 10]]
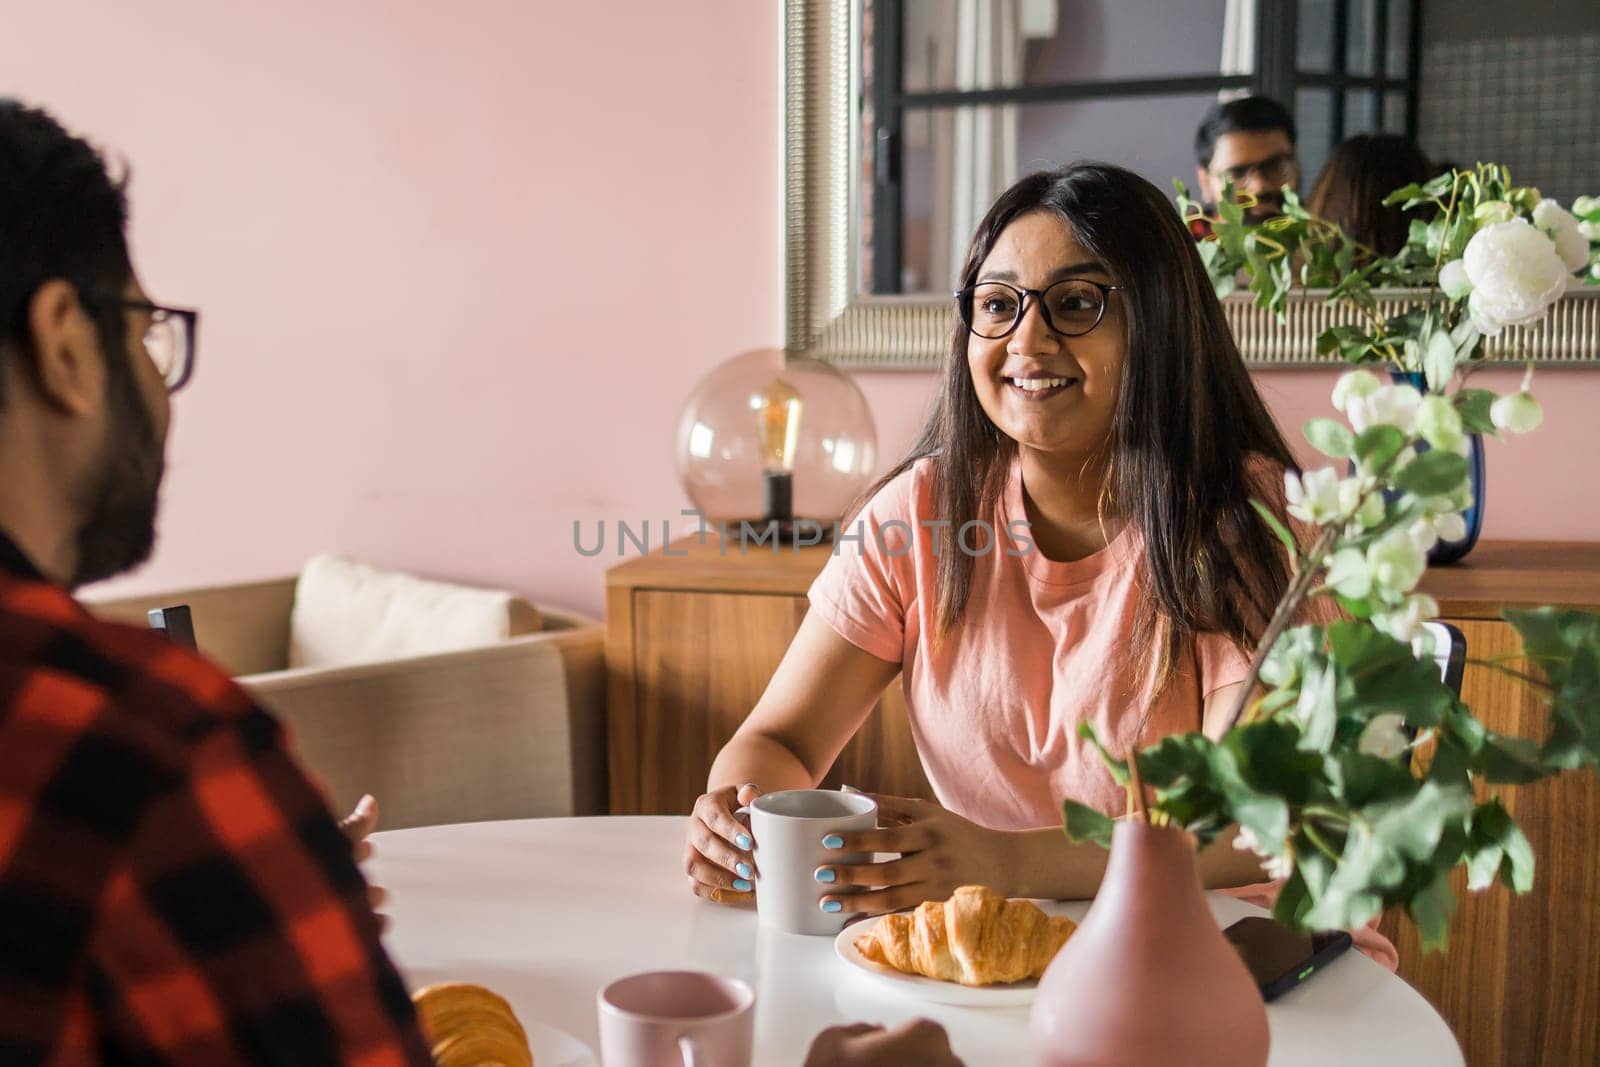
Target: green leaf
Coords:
[[1377, 446], [1316, 709], [1402, 194], [1083, 823], [1118, 768], [1498, 846], [1360, 780], [1435, 472], [1439, 361], [1506, 758], [1331, 438], [1278, 529], [1473, 407], [1412, 829], [1430, 910]]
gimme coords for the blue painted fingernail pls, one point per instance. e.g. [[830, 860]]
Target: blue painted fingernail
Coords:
[[741, 885], [825, 874], [742, 840], [832, 906], [743, 869], [833, 841]]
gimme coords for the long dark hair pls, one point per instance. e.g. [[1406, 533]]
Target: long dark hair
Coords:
[[1187, 429], [1358, 175]]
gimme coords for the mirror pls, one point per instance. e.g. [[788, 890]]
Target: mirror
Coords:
[[906, 118]]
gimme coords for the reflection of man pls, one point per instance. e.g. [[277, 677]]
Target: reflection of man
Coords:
[[1249, 141]]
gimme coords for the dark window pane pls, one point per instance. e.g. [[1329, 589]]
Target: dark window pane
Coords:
[[946, 45], [1358, 45], [1315, 28], [1359, 116], [1394, 112], [1399, 44], [1313, 114]]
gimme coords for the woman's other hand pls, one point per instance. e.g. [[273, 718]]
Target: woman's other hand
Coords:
[[717, 853], [939, 851], [356, 826], [921, 1043]]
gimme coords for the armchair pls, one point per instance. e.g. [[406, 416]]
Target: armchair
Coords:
[[510, 730]]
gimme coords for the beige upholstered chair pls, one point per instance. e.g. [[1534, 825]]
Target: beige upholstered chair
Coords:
[[509, 730]]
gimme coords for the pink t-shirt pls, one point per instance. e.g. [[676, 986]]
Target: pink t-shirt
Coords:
[[995, 704]]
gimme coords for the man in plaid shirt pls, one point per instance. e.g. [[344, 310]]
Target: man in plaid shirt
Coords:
[[173, 890]]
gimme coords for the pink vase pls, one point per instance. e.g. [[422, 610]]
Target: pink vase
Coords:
[[1148, 980]]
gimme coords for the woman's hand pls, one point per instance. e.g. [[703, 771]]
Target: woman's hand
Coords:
[[716, 855], [939, 852]]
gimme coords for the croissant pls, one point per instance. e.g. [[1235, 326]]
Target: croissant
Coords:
[[470, 1026], [977, 937]]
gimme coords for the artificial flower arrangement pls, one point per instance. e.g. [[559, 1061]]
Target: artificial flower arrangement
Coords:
[[1314, 767]]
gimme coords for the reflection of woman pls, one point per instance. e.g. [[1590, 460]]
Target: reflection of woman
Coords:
[[1358, 175], [1097, 395]]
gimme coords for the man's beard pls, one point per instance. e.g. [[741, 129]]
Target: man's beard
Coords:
[[119, 529]]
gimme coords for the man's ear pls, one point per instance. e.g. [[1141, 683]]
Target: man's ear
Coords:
[[67, 365], [1202, 182]]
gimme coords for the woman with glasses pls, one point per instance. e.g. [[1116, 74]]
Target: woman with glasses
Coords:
[[1070, 540]]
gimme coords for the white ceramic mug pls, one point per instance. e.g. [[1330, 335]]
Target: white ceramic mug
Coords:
[[676, 1019], [788, 828]]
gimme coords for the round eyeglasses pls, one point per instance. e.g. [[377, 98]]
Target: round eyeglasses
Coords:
[[1071, 307]]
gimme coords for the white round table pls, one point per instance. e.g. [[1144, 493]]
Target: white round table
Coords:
[[548, 911]]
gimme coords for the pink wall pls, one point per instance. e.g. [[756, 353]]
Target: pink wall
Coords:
[[459, 265]]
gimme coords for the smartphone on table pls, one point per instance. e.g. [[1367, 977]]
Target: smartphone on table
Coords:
[[1279, 958]]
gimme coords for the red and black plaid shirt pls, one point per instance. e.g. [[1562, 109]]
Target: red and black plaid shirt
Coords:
[[173, 889]]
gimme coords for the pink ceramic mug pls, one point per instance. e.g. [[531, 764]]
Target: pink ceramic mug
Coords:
[[676, 1019]]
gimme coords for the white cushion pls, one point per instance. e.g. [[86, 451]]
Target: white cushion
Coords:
[[347, 612]]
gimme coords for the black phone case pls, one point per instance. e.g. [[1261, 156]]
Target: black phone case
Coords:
[[1338, 942]]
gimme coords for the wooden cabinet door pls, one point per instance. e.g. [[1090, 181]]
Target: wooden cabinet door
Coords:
[[1521, 977], [701, 661]]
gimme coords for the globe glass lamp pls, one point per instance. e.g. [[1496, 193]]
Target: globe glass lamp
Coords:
[[783, 444]]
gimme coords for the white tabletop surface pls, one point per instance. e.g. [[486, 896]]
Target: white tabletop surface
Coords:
[[548, 911]]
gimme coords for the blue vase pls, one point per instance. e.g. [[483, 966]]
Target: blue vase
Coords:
[[1446, 552]]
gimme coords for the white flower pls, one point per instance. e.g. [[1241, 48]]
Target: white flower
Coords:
[[1396, 561], [1383, 736], [1405, 622], [1453, 279], [1395, 405], [1353, 384], [1591, 230], [1422, 534], [1313, 496], [1517, 412], [1571, 245], [1439, 423], [1587, 207], [1348, 574], [1515, 273], [1450, 526], [1275, 866]]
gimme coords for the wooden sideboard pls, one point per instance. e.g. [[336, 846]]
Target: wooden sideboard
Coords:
[[692, 639]]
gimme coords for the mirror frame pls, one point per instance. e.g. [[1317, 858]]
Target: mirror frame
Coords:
[[826, 318]]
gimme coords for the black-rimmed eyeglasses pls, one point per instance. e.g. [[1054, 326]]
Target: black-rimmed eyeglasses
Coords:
[[169, 339], [1071, 307]]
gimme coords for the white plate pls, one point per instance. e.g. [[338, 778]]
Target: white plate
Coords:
[[555, 1048], [1013, 994]]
